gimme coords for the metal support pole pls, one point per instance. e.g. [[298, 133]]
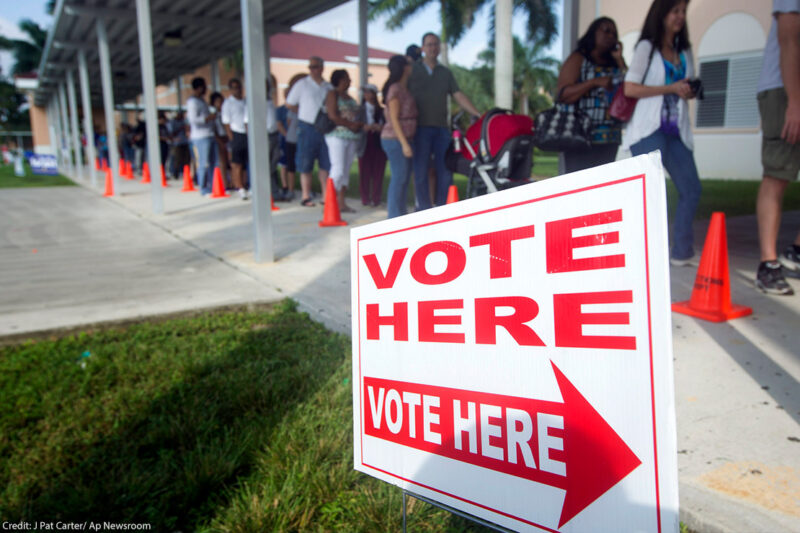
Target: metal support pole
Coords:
[[179, 91], [257, 138], [51, 129], [150, 114], [62, 102], [73, 119], [570, 37], [215, 75], [363, 50], [503, 55], [88, 119], [108, 102]]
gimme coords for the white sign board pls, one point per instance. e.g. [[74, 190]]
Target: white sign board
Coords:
[[512, 354]]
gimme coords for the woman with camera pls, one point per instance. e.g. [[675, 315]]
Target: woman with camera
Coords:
[[660, 77], [587, 79]]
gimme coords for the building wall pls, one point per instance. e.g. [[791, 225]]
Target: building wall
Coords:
[[39, 127], [720, 30]]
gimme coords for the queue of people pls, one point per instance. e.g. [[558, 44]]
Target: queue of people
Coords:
[[322, 124], [662, 79]]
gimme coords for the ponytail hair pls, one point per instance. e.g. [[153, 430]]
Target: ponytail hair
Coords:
[[397, 65]]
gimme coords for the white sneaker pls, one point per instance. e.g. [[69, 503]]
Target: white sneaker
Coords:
[[242, 194]]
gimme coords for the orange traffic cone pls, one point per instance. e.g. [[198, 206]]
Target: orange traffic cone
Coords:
[[104, 165], [97, 163], [129, 168], [145, 173], [163, 177], [188, 186], [109, 183], [711, 296], [123, 170], [274, 207], [218, 187], [331, 215], [452, 194]]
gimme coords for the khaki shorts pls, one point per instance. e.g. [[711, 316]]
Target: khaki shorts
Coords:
[[780, 159]]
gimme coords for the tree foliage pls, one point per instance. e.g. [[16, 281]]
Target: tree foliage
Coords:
[[458, 16], [535, 75], [27, 52], [13, 114]]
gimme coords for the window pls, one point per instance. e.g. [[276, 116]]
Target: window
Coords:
[[730, 92]]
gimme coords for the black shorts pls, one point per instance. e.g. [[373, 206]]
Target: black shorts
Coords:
[[290, 153], [239, 148]]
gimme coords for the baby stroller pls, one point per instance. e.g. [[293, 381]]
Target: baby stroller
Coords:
[[495, 153]]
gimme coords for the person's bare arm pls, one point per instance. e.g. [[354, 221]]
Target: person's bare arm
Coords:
[[394, 115], [568, 86], [465, 103], [292, 108], [789, 42], [637, 90], [333, 113], [229, 131]]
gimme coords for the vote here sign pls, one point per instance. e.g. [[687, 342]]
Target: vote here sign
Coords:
[[512, 354]]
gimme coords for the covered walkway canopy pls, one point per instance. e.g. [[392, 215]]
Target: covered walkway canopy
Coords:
[[186, 35], [130, 47]]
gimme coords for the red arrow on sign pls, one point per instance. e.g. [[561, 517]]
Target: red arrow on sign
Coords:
[[564, 445]]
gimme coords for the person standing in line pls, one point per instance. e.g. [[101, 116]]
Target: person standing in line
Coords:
[[779, 105], [306, 99], [201, 134], [587, 80], [180, 144], [163, 138], [343, 141], [430, 84], [234, 112], [372, 161], [397, 135], [658, 76], [220, 138], [287, 162]]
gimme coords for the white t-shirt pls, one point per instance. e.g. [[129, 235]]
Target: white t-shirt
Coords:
[[234, 112], [771, 66], [196, 113], [309, 97]]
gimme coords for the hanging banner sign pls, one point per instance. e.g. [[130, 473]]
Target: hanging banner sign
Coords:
[[512, 354]]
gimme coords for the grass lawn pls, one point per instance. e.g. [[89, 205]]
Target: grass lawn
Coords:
[[8, 180], [226, 422]]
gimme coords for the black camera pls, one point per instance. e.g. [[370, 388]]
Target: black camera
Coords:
[[696, 85]]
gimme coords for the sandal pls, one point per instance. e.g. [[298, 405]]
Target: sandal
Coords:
[[307, 202]]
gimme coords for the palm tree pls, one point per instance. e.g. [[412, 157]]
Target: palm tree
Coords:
[[457, 16], [535, 75], [27, 52]]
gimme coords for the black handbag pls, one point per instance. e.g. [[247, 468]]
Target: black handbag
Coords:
[[562, 127], [323, 122]]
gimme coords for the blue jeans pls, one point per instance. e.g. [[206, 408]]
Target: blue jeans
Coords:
[[204, 159], [400, 167], [679, 162], [310, 146], [431, 140]]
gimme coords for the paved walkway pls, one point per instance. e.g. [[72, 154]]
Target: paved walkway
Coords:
[[70, 257]]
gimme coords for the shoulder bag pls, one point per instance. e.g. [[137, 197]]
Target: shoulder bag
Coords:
[[562, 127], [622, 106]]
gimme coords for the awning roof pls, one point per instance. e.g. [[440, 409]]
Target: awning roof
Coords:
[[208, 30]]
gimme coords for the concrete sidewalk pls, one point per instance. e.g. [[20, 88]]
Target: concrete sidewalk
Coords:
[[736, 383]]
